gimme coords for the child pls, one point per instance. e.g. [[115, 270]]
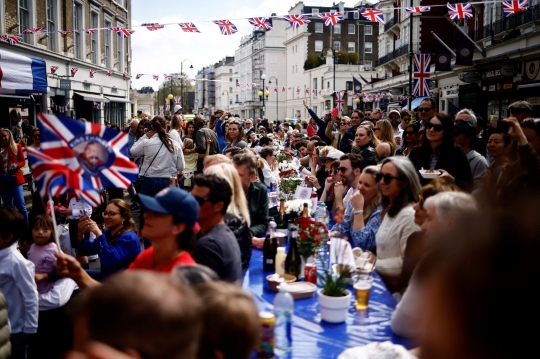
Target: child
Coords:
[[190, 167], [42, 252], [17, 283]]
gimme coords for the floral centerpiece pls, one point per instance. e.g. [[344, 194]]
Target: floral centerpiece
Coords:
[[288, 174], [311, 235], [294, 208]]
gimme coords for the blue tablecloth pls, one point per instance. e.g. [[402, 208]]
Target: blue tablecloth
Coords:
[[314, 338]]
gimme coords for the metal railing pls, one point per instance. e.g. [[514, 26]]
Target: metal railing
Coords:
[[400, 51], [393, 21], [508, 23]]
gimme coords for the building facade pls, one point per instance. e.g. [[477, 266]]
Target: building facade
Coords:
[[224, 83]]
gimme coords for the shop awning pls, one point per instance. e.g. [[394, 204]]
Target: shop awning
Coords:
[[22, 74], [117, 99], [415, 103], [91, 97]]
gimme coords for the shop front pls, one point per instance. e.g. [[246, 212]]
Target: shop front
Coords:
[[88, 106]]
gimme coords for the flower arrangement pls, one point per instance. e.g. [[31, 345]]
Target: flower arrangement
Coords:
[[294, 208], [288, 185], [286, 166], [311, 235]]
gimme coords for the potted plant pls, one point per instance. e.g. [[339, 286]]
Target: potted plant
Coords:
[[334, 297]]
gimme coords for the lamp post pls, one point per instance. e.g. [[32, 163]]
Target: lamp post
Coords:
[[171, 97], [277, 92], [357, 100], [222, 94], [182, 80], [263, 95], [334, 57]]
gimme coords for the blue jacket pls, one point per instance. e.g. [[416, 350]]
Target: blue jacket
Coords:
[[220, 135]]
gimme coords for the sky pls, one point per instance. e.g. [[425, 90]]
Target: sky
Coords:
[[161, 52]]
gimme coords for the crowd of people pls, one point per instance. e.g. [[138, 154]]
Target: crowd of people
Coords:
[[171, 283]]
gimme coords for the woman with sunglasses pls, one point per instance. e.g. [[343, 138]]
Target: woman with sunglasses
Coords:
[[334, 176], [385, 134], [363, 213], [399, 184], [11, 176], [235, 136], [437, 152], [365, 142], [269, 166], [410, 141]]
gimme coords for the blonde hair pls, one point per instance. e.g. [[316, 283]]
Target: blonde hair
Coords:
[[217, 157], [387, 134], [11, 141], [238, 205], [188, 143], [376, 202]]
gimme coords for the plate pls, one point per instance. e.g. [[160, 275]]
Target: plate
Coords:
[[301, 290], [429, 175], [273, 284]]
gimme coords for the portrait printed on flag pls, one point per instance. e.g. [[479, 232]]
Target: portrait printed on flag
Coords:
[[92, 153]]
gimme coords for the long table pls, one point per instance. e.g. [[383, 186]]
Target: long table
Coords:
[[314, 338]]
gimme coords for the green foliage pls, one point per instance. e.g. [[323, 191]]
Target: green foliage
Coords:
[[333, 285], [313, 61], [174, 87]]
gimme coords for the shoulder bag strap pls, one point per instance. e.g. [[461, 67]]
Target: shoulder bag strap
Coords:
[[147, 168]]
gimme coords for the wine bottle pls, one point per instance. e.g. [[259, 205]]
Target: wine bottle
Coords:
[[270, 248], [305, 211], [293, 262], [281, 223]]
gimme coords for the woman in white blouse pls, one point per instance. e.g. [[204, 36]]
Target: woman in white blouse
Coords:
[[399, 186], [270, 166]]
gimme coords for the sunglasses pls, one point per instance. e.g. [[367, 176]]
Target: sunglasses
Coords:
[[387, 177], [109, 214], [343, 169], [436, 128], [201, 200], [410, 133], [393, 117], [343, 124], [333, 172], [406, 119], [36, 136], [424, 109]]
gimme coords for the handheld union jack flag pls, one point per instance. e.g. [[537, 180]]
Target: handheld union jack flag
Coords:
[[124, 76], [12, 39], [74, 71], [296, 20], [330, 18], [188, 27], [340, 101], [54, 69], [65, 32], [374, 15], [95, 152], [35, 30], [459, 11], [421, 74], [123, 33], [260, 22], [156, 77], [92, 73], [90, 31], [138, 76], [512, 6], [226, 27], [418, 9], [153, 26], [109, 73]]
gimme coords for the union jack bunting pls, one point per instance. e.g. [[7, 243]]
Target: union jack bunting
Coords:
[[55, 178], [339, 100], [283, 89], [418, 9], [275, 88], [238, 84], [35, 30], [168, 106], [330, 18], [124, 76], [374, 15], [459, 11], [188, 27], [421, 74], [65, 32], [109, 73], [260, 22], [156, 77], [307, 91], [123, 33], [177, 100], [54, 69], [74, 71], [161, 112], [153, 26], [298, 90], [512, 6], [90, 31], [226, 27], [296, 20], [92, 73], [138, 76], [290, 88], [94, 151], [266, 87], [167, 77], [313, 92], [320, 92]]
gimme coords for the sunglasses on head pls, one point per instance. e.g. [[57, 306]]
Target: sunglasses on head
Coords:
[[424, 109], [386, 177], [332, 172], [436, 128]]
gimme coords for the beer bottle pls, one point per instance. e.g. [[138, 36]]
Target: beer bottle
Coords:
[[305, 212], [270, 248], [293, 262], [281, 223]]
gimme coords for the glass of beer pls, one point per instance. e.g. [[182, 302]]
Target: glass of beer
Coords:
[[362, 290]]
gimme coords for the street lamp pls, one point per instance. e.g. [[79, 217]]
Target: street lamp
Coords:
[[182, 80], [222, 94], [357, 100], [334, 57], [266, 94], [277, 92], [170, 97]]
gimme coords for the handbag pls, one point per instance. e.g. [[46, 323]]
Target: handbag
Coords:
[[138, 183], [7, 179]]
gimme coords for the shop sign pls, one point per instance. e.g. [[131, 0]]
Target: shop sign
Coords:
[[532, 70], [65, 85], [535, 101], [395, 92], [493, 74], [451, 92], [509, 70], [470, 77], [491, 87], [507, 86]]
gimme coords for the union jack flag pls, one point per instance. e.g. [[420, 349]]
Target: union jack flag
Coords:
[[330, 18], [340, 101], [421, 74], [298, 90], [156, 77], [65, 32], [138, 76], [238, 84], [35, 30], [153, 26], [296, 20], [167, 106], [260, 22], [177, 100], [74, 71], [459, 11], [226, 27], [161, 112], [167, 77], [513, 6], [123, 33], [124, 76], [55, 178], [283, 89], [374, 15], [109, 73], [313, 92], [188, 27], [290, 88], [92, 73], [307, 90], [54, 69], [275, 88], [418, 9], [90, 31]]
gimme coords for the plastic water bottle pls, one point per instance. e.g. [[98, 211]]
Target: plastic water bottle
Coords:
[[321, 214], [283, 309]]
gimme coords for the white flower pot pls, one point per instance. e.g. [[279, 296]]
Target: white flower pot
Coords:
[[334, 309]]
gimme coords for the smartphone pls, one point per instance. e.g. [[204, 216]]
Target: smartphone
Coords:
[[499, 126]]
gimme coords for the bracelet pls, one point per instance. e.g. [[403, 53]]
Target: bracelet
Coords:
[[358, 212]]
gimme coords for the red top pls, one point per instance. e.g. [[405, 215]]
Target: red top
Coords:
[[17, 159], [310, 131], [146, 259]]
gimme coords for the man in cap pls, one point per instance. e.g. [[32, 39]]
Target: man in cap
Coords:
[[395, 119], [465, 136], [521, 110], [178, 111]]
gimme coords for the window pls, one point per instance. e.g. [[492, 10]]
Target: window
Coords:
[[314, 12], [368, 48], [351, 47], [78, 24], [230, 79], [120, 50], [337, 29], [315, 84], [230, 71], [348, 86], [327, 105], [368, 29], [337, 45], [94, 49], [293, 69], [318, 45], [24, 18], [356, 15], [368, 64], [327, 84], [51, 28], [351, 29], [108, 52], [319, 27]]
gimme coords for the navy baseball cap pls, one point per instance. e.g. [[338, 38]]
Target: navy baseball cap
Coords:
[[175, 201]]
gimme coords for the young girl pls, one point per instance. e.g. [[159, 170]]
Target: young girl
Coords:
[[42, 252]]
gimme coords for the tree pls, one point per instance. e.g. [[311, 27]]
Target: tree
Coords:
[[173, 86]]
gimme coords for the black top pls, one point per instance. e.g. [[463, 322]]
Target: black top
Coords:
[[368, 153], [218, 250], [347, 140], [257, 199], [241, 231]]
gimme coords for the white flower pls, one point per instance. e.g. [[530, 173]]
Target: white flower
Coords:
[[297, 206], [285, 166]]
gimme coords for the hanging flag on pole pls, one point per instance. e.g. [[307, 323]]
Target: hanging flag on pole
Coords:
[[357, 85], [421, 74], [513, 6], [340, 101]]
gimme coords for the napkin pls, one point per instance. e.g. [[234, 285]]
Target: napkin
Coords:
[[385, 350], [341, 252]]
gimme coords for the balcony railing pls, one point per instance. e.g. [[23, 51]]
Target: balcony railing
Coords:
[[393, 21], [508, 23], [400, 51]]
